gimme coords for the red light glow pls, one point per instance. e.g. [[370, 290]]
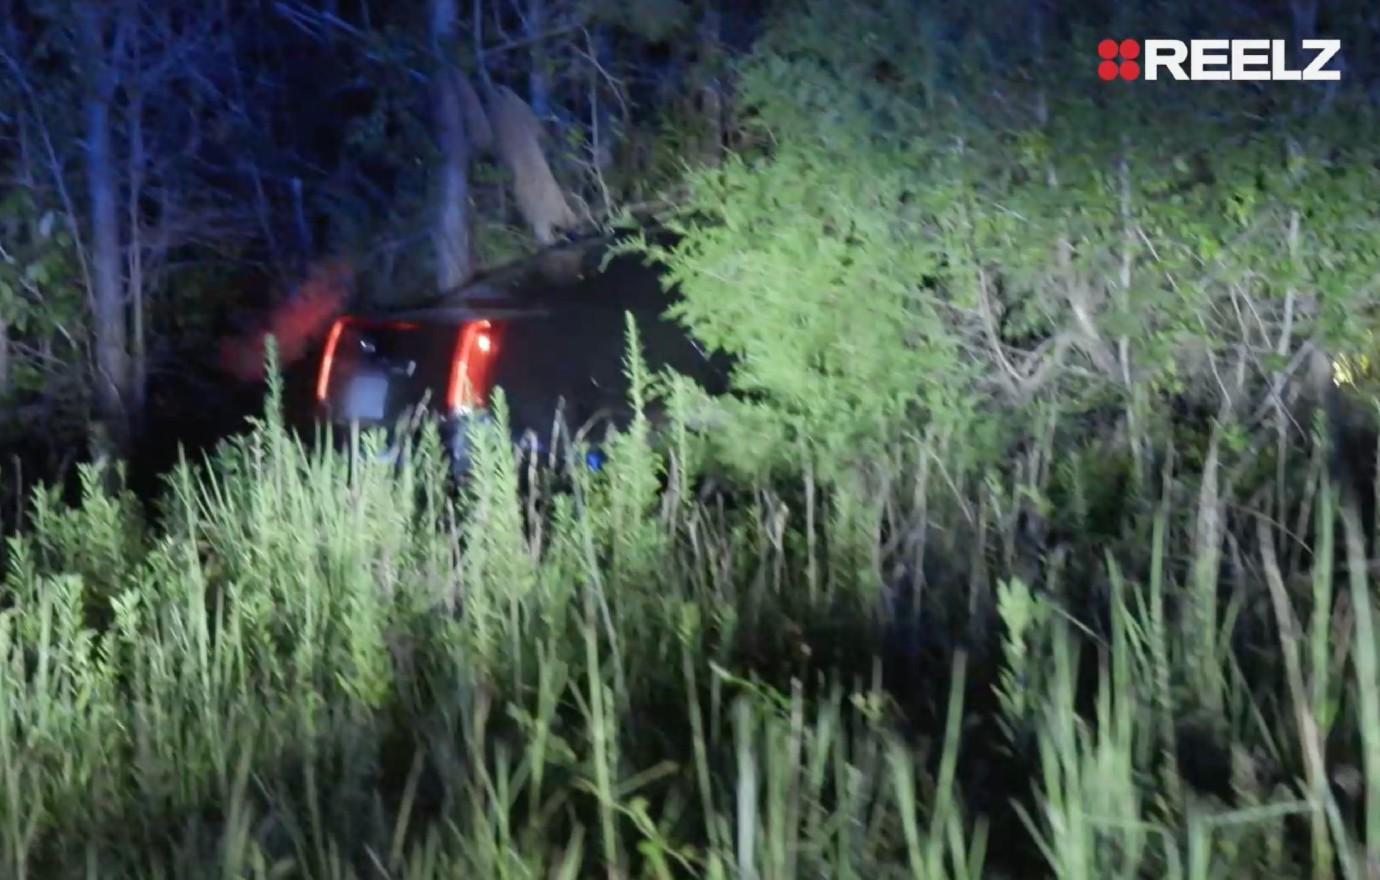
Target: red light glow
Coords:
[[469, 370], [323, 378], [295, 323]]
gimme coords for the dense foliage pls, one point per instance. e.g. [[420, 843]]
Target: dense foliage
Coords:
[[318, 664], [920, 236], [1034, 539]]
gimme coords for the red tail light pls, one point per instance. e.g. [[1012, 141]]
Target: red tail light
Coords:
[[469, 369], [323, 378]]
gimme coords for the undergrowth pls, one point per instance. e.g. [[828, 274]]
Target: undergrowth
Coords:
[[314, 663]]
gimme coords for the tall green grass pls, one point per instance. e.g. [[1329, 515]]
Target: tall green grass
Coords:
[[317, 664]]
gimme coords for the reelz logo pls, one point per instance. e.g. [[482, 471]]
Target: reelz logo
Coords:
[[1217, 60]]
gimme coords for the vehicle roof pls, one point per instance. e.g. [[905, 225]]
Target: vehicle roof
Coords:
[[576, 274]]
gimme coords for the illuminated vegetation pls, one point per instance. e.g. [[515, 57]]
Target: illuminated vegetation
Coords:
[[1034, 540]]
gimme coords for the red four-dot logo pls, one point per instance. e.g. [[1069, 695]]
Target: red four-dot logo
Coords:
[[1110, 50]]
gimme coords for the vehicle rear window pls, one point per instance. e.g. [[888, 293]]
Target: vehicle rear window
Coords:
[[413, 358]]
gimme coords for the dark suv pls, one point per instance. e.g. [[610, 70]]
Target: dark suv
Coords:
[[549, 331]]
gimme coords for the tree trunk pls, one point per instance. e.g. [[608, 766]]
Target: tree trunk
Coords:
[[600, 113], [107, 293], [538, 92], [711, 89], [451, 233], [4, 358], [517, 140], [306, 248], [137, 163]]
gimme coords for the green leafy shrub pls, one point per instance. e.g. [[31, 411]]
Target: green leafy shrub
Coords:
[[914, 240]]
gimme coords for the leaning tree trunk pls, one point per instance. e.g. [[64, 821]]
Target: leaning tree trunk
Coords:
[[107, 290], [517, 141]]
